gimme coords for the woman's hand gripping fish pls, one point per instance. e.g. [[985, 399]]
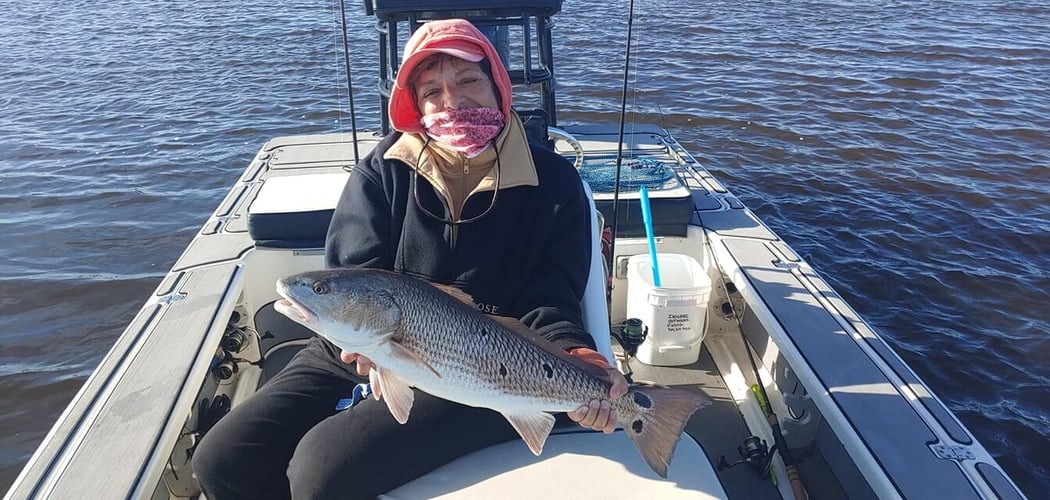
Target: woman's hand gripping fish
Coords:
[[431, 337]]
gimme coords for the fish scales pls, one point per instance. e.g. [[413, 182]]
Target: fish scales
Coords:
[[432, 338], [476, 347]]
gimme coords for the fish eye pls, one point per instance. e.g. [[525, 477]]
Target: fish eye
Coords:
[[320, 287]]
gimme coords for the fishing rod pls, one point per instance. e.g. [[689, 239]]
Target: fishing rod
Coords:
[[349, 82], [780, 443], [619, 142], [757, 452]]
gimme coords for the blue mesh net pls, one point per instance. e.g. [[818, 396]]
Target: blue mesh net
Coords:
[[600, 173]]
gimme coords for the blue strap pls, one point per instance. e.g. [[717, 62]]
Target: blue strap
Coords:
[[361, 392]]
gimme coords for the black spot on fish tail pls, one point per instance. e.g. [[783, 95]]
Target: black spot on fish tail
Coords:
[[502, 370], [656, 420], [548, 370]]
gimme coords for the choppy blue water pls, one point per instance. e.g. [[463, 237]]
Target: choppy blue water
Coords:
[[901, 147]]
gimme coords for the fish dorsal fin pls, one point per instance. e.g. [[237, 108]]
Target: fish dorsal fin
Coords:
[[456, 293], [533, 428], [529, 334], [397, 394]]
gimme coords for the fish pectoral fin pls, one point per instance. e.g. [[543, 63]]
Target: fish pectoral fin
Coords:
[[533, 428], [397, 394], [399, 351]]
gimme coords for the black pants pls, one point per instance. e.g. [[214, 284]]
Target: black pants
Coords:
[[287, 440]]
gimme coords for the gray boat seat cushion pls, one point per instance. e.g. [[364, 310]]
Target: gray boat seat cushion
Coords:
[[281, 216], [573, 465]]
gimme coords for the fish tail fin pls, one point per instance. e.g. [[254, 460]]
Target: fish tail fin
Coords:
[[654, 419]]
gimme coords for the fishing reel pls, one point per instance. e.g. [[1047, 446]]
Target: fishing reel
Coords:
[[223, 366], [754, 452], [631, 334], [236, 338]]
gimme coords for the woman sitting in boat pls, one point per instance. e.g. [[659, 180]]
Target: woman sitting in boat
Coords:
[[458, 196]]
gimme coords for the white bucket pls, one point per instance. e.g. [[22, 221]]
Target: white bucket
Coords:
[[674, 313]]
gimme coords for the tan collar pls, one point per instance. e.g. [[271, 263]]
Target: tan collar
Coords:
[[516, 166]]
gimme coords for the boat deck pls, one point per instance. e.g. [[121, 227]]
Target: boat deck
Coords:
[[719, 428], [133, 410]]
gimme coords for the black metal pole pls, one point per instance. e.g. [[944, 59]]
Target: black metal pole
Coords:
[[619, 142], [349, 82]]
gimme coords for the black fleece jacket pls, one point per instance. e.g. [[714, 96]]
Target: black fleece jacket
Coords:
[[528, 258]]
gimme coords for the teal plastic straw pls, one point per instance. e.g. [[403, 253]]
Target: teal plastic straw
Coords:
[[647, 219]]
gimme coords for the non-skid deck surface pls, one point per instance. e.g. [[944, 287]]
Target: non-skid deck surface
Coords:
[[719, 428]]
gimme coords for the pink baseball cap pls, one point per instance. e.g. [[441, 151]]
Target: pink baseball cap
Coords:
[[455, 37]]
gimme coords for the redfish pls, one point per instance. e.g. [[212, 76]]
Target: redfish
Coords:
[[431, 337]]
